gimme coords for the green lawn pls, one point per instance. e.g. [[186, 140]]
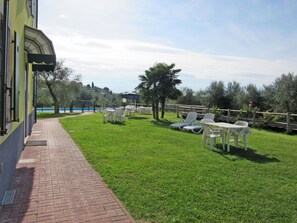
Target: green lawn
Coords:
[[163, 175]]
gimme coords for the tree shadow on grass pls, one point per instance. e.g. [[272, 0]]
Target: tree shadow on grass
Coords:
[[250, 155], [118, 123], [163, 123], [138, 118]]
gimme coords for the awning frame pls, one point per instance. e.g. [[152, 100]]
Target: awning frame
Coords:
[[40, 50]]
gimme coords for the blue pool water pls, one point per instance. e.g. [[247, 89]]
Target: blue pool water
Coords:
[[62, 109]]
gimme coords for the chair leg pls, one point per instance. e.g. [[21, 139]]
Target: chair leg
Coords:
[[244, 142], [204, 140], [236, 140], [212, 142]]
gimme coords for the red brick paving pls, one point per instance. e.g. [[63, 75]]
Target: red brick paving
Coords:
[[55, 183]]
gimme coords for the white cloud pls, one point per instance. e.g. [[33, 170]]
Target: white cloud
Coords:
[[62, 16], [113, 41], [115, 60]]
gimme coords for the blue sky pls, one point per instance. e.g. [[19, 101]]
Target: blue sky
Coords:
[[111, 42]]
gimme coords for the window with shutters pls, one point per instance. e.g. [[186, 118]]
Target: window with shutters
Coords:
[[6, 85], [16, 78], [9, 79], [32, 7]]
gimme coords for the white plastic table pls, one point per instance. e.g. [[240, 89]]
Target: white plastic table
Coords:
[[231, 129]]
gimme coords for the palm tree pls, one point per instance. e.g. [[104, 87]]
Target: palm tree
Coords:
[[157, 84], [168, 82], [147, 88]]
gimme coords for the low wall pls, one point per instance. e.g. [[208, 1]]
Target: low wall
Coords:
[[10, 151]]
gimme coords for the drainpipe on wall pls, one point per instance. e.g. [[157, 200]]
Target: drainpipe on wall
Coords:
[[3, 86], [36, 14], [35, 95], [35, 73]]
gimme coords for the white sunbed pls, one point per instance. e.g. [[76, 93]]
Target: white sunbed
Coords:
[[197, 127], [190, 120]]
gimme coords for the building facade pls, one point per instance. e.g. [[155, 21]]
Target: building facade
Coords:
[[131, 97], [24, 50]]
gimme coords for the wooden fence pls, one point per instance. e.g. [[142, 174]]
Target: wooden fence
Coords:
[[285, 121]]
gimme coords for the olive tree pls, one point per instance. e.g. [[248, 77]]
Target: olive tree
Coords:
[[62, 84]]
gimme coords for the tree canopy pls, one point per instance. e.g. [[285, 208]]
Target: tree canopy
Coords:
[[63, 88], [280, 96], [63, 84]]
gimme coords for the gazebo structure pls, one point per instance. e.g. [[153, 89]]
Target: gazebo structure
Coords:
[[132, 98]]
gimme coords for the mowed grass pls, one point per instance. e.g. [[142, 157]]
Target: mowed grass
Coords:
[[163, 175]]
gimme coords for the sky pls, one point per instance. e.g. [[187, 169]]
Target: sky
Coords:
[[112, 42]]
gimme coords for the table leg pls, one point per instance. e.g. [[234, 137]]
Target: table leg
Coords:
[[223, 140]]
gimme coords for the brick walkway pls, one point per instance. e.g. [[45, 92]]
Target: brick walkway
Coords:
[[54, 183]]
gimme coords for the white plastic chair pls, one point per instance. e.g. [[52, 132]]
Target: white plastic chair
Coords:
[[242, 123], [241, 132], [209, 116], [117, 115], [122, 117], [130, 109], [211, 134], [108, 115], [190, 120]]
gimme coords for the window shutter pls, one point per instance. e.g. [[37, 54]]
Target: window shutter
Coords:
[[16, 84]]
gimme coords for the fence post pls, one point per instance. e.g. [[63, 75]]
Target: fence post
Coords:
[[254, 118], [288, 122], [228, 114]]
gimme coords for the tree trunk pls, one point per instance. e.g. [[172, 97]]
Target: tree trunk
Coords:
[[71, 107], [57, 107], [153, 108], [157, 109], [162, 108], [83, 107], [55, 99]]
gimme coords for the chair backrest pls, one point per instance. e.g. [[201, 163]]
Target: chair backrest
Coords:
[[191, 117], [206, 120], [242, 123], [209, 116], [207, 130], [119, 112], [130, 108]]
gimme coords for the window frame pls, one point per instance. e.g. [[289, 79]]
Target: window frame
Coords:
[[32, 7], [16, 78]]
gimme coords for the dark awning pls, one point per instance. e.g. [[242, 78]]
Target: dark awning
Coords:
[[40, 50]]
